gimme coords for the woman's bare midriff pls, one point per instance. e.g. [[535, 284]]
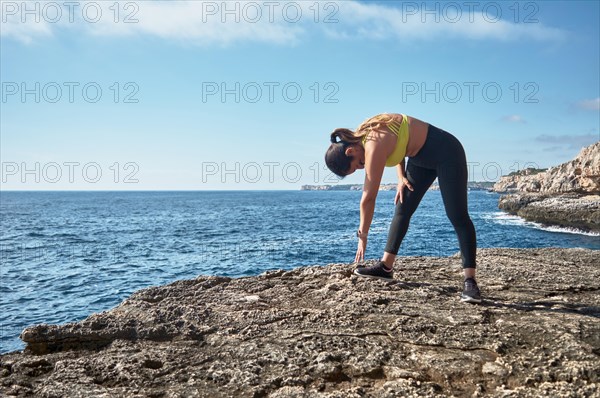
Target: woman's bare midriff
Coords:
[[417, 134]]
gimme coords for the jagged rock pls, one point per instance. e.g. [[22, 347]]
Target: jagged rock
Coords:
[[322, 332], [568, 210], [580, 175], [566, 195]]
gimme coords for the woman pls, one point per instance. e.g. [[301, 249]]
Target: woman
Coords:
[[385, 140]]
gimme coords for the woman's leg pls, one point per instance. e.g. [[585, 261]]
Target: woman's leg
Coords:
[[453, 185], [452, 178], [421, 179]]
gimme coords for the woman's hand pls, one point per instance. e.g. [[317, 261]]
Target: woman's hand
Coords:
[[400, 189], [360, 251]]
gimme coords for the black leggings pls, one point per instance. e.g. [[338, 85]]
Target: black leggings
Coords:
[[441, 156]]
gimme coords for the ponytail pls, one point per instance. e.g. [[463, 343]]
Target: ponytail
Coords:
[[345, 136]]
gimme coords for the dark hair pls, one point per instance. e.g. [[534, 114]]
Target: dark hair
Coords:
[[336, 159]]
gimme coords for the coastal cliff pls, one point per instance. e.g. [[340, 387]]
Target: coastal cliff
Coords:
[[322, 332], [580, 175], [567, 195]]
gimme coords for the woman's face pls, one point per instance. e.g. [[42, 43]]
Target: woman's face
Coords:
[[357, 152]]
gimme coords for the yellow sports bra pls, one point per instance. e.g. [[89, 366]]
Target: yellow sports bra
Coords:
[[401, 131]]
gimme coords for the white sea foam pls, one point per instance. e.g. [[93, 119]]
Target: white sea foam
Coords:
[[567, 230], [509, 219]]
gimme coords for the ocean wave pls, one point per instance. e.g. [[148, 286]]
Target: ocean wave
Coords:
[[568, 230], [509, 219], [36, 235]]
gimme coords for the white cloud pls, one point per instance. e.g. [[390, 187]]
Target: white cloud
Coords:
[[414, 21], [11, 24], [198, 22], [214, 22], [194, 21], [514, 119], [590, 104]]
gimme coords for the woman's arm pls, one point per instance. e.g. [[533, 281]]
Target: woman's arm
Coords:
[[402, 182], [375, 156], [401, 170], [376, 153], [377, 149]]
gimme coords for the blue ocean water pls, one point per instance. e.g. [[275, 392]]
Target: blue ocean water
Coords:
[[65, 255]]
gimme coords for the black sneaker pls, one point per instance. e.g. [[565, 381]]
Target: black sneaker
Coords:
[[376, 272], [471, 292]]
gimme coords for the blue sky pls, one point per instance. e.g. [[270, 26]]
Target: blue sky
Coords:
[[149, 95]]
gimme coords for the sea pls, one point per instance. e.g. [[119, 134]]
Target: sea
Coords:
[[65, 255]]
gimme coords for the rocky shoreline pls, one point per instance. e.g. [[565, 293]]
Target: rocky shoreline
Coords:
[[567, 195], [322, 332], [581, 212]]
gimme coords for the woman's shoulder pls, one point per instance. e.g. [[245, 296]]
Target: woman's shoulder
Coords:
[[377, 131]]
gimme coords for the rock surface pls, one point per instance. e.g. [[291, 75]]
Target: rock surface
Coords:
[[568, 210], [580, 175], [323, 332], [567, 195]]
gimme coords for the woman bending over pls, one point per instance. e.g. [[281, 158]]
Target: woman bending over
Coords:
[[386, 140]]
